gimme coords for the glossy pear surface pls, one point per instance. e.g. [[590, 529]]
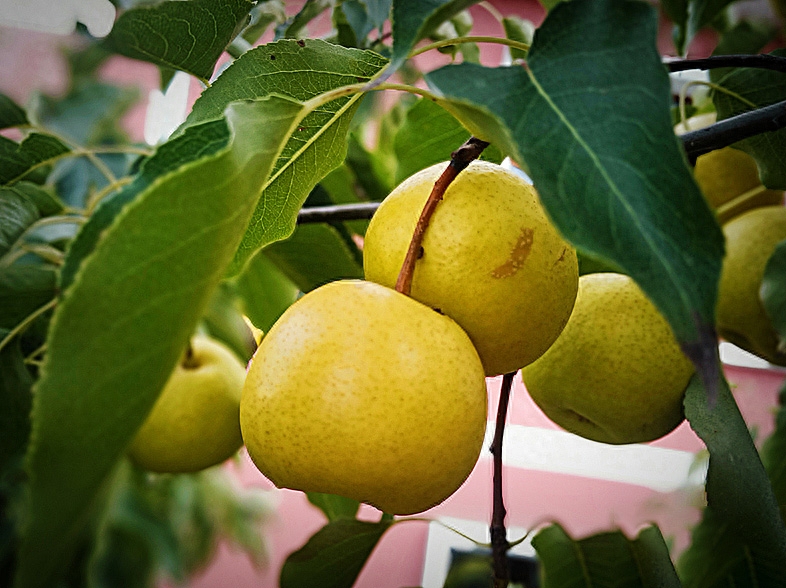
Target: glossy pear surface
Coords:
[[360, 391], [615, 374], [195, 423], [491, 260], [750, 241]]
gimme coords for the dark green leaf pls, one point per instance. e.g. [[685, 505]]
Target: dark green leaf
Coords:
[[17, 213], [121, 326], [11, 114], [773, 454], [196, 143], [590, 119], [363, 16], [264, 291], [334, 556], [89, 114], [413, 20], [605, 560], [741, 534], [24, 289], [313, 255], [301, 70], [335, 507], [189, 36], [428, 135], [690, 16], [761, 88], [773, 291], [365, 165], [46, 202], [262, 16], [15, 402], [18, 159]]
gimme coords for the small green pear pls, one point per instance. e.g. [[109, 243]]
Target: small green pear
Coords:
[[491, 260], [361, 391], [750, 241], [615, 374], [195, 423]]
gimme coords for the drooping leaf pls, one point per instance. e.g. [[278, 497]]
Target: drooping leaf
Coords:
[[335, 507], [17, 213], [295, 27], [363, 16], [15, 402], [189, 36], [264, 291], [773, 291], [413, 20], [604, 560], [761, 88], [518, 29], [120, 327], [741, 535], [334, 556], [590, 120], [262, 16], [301, 70], [18, 159], [428, 135], [24, 288], [198, 142], [11, 114]]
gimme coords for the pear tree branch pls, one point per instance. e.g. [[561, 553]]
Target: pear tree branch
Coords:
[[499, 536]]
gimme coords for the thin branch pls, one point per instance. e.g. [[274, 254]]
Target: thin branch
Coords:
[[764, 61], [499, 536], [459, 160], [337, 212], [734, 129]]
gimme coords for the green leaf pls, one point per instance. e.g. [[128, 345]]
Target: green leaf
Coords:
[[24, 288], [773, 291], [11, 114], [518, 29], [413, 20], [773, 454], [18, 159], [301, 70], [604, 560], [334, 556], [690, 16], [363, 16], [46, 202], [295, 27], [189, 36], [120, 327], [17, 213], [313, 255], [428, 135], [264, 291], [223, 321], [335, 507], [198, 142], [15, 402], [590, 119], [741, 534], [761, 88]]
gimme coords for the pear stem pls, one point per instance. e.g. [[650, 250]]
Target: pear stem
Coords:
[[499, 538], [459, 160], [189, 362]]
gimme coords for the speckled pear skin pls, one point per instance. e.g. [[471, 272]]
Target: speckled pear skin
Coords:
[[491, 260], [616, 373], [360, 391]]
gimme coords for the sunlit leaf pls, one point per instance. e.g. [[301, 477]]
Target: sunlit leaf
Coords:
[[189, 36], [590, 120], [122, 324], [334, 556], [301, 70]]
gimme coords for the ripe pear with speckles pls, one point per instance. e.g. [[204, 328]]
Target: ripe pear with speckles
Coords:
[[491, 260], [361, 391]]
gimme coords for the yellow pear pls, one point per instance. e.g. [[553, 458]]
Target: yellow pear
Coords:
[[195, 423], [615, 374], [750, 241], [361, 391], [491, 260], [728, 177]]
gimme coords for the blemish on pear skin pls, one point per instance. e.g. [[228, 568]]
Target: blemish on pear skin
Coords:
[[561, 256], [518, 255]]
